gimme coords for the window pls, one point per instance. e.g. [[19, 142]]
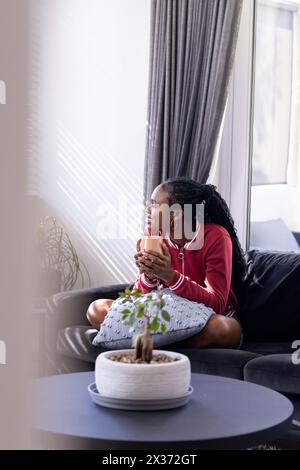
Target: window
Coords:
[[273, 92], [275, 189]]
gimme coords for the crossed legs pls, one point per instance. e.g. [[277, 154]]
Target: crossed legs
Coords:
[[219, 332]]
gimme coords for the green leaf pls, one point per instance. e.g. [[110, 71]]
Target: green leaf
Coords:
[[127, 291], [163, 328], [162, 303], [138, 292], [140, 315], [131, 319], [154, 325], [165, 315], [149, 297], [126, 311]]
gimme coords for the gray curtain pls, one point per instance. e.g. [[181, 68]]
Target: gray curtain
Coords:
[[192, 51]]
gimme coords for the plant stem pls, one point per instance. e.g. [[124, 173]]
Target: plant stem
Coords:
[[144, 344]]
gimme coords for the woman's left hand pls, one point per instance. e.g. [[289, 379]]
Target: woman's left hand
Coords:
[[159, 264]]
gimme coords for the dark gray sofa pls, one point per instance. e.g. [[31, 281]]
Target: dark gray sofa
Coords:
[[269, 312]]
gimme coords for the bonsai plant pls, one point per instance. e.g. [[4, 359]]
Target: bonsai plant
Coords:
[[143, 310], [143, 373]]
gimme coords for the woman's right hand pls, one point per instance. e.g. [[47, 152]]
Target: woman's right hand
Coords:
[[138, 258], [139, 254]]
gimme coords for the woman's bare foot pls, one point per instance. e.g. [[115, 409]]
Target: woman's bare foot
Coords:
[[97, 312]]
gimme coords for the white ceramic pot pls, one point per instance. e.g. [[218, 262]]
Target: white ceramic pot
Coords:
[[142, 381]]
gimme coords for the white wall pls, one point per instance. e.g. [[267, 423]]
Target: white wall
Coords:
[[89, 85]]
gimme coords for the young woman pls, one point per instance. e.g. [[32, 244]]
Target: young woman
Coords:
[[211, 275]]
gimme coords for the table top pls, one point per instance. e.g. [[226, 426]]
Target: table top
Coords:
[[221, 413]]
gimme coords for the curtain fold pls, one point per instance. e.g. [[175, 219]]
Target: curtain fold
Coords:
[[192, 47]]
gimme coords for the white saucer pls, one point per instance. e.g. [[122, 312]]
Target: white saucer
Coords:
[[137, 405]]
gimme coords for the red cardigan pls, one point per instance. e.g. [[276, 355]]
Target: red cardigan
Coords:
[[202, 275]]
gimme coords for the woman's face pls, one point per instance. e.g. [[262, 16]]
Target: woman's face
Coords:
[[157, 206]]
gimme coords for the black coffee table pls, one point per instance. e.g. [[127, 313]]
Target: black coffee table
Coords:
[[222, 413]]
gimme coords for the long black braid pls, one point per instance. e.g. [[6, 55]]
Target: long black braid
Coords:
[[183, 190]]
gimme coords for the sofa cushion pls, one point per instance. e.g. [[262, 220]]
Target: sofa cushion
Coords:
[[268, 348], [270, 304], [277, 371], [272, 234], [76, 342], [222, 362]]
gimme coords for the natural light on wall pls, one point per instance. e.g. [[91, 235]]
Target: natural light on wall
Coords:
[[275, 191], [89, 85]]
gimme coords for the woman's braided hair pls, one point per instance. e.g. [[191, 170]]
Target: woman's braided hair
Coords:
[[183, 190]]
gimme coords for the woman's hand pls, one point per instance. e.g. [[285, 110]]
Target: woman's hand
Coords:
[[159, 265], [139, 261]]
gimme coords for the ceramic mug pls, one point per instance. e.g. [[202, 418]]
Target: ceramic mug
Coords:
[[150, 243]]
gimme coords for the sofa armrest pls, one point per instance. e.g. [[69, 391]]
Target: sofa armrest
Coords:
[[69, 308]]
